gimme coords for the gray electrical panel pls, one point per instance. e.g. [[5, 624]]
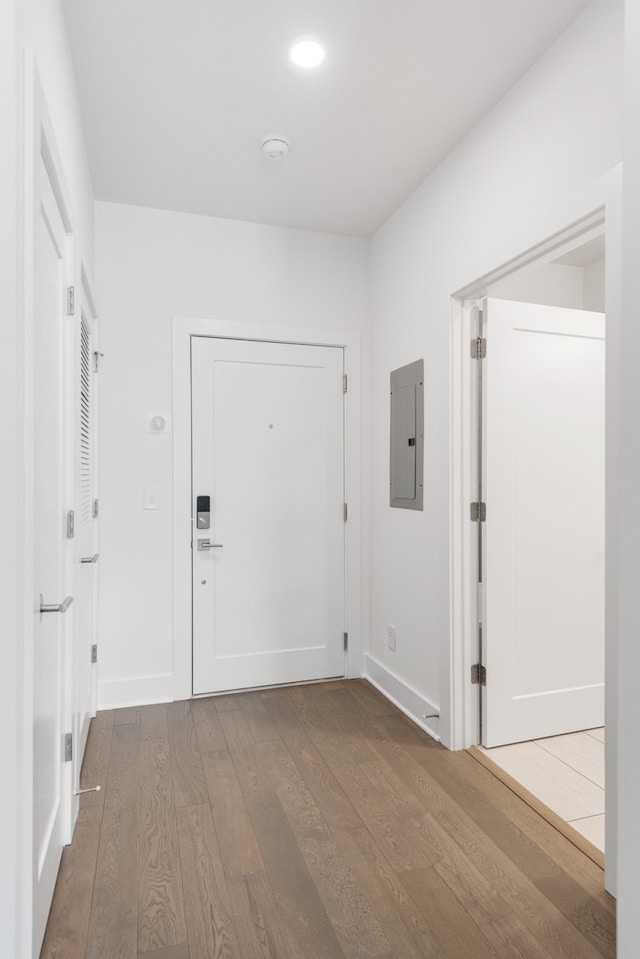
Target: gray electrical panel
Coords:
[[407, 436]]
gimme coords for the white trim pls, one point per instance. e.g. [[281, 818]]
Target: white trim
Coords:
[[412, 703], [183, 328], [133, 690]]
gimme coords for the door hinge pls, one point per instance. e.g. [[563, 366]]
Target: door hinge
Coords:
[[345, 512], [478, 348], [346, 641], [71, 301], [95, 509], [68, 747], [344, 383], [94, 653], [478, 512], [479, 674], [97, 356], [71, 524]]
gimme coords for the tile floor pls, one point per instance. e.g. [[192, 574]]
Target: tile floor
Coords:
[[564, 772]]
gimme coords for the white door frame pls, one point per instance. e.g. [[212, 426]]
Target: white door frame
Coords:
[[589, 223], [39, 140], [183, 328]]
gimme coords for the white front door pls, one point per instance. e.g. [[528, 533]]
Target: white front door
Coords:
[[268, 573], [544, 531], [50, 580]]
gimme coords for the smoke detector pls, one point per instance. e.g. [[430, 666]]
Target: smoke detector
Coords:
[[275, 148]]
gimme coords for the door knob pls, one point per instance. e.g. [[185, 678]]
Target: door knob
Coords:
[[55, 607]]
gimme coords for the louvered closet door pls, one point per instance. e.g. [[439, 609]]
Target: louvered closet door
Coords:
[[86, 539]]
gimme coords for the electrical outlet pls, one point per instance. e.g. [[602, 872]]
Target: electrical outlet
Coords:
[[391, 637]]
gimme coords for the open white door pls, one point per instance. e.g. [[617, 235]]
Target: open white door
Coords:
[[50, 601], [268, 553], [544, 533]]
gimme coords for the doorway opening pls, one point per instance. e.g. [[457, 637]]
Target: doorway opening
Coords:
[[528, 445]]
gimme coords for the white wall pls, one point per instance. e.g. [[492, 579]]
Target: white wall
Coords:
[[629, 535], [543, 151], [37, 27], [593, 286], [553, 284], [152, 265]]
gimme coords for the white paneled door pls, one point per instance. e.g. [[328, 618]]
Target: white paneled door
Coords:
[[49, 548], [268, 570], [544, 531]]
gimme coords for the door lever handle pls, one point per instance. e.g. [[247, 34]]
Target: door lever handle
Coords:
[[55, 607], [90, 559], [204, 544]]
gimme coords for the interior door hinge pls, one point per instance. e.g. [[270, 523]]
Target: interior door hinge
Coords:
[[95, 507], [71, 301], [71, 524], [346, 641], [94, 653], [344, 383], [346, 511], [478, 512], [478, 348], [97, 356], [68, 747], [479, 674]]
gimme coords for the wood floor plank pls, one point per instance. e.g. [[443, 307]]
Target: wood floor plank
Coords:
[[189, 784], [172, 952], [113, 927], [238, 847], [440, 909], [588, 916], [261, 933], [160, 907], [337, 809], [226, 703], [300, 906], [253, 777], [127, 715], [263, 728], [95, 766], [153, 722], [295, 798], [211, 930], [207, 725], [68, 925], [352, 917], [401, 921]]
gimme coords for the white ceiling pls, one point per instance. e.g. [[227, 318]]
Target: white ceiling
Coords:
[[176, 96]]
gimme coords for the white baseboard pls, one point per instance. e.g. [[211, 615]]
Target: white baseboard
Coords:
[[412, 703], [135, 691]]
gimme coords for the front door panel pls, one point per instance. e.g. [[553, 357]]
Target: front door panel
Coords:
[[268, 573]]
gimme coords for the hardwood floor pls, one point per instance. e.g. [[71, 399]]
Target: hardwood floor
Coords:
[[314, 822]]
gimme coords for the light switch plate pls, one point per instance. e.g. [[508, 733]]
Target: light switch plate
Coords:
[[151, 497]]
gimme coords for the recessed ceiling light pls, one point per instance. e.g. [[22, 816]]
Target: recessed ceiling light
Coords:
[[275, 148], [307, 52]]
